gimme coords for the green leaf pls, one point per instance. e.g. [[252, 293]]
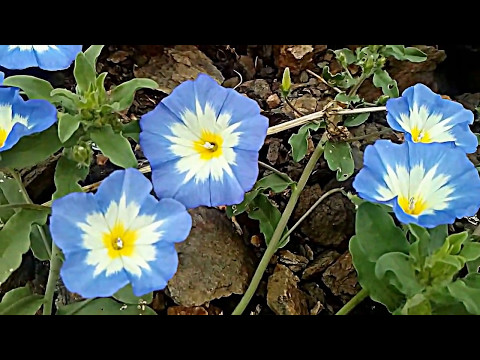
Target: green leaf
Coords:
[[15, 239], [382, 79], [415, 55], [132, 130], [467, 290], [299, 142], [92, 53], [356, 120], [124, 93], [238, 209], [84, 72], [478, 138], [103, 306], [31, 150], [470, 251], [35, 88], [339, 158], [347, 99], [345, 56], [417, 305], [401, 53], [376, 235], [67, 125], [114, 146], [100, 86], [268, 216], [65, 98], [456, 241], [37, 245], [404, 278], [419, 249], [437, 237], [125, 295], [342, 80], [67, 175], [275, 182], [20, 301]]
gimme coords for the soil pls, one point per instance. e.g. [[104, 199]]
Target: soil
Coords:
[[313, 274]]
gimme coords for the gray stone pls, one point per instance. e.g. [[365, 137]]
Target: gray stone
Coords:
[[341, 278], [319, 265], [213, 261]]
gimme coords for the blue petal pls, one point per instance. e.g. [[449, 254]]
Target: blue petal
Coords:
[[162, 269], [16, 59], [67, 212], [376, 159], [246, 168], [156, 148], [253, 133], [2, 77], [177, 221], [395, 107], [181, 99], [193, 194], [167, 180], [60, 59], [226, 192], [78, 277], [207, 90], [130, 183], [465, 138]]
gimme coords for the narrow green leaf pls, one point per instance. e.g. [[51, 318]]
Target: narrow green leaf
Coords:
[[104, 306], [399, 265], [470, 251], [100, 86], [437, 237], [124, 93], [84, 72], [275, 182], [478, 138], [114, 146], [65, 98], [132, 130], [268, 215], [37, 245], [356, 120], [235, 210], [467, 291], [345, 56], [67, 175], [415, 55], [339, 158], [299, 142], [34, 87], [382, 79], [456, 241], [67, 125], [15, 239], [20, 301], [31, 150], [342, 80], [92, 53], [125, 295]]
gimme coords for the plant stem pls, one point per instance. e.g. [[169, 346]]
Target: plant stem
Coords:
[[324, 81], [271, 168], [298, 112], [357, 299], [309, 211], [53, 275], [273, 245], [29, 201], [357, 86]]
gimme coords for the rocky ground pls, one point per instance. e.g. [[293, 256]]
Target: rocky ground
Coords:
[[313, 274]]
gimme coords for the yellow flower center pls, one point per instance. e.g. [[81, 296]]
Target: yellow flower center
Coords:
[[412, 206], [209, 146], [119, 241], [421, 136], [3, 136]]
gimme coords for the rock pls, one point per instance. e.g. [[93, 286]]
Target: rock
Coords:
[[331, 223], [213, 261], [316, 297], [341, 278], [247, 67], [232, 82], [118, 56], [273, 101], [319, 265], [296, 57], [469, 101], [258, 89], [283, 295], [273, 150], [193, 310], [306, 104], [176, 65], [407, 73], [294, 262]]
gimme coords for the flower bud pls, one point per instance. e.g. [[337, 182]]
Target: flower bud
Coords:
[[286, 82]]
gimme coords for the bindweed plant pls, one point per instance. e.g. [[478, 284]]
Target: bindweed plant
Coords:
[[117, 246]]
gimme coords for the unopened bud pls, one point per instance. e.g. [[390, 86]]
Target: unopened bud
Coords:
[[286, 82]]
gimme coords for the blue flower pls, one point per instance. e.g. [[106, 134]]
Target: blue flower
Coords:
[[20, 118], [2, 77], [426, 184], [47, 57], [427, 118], [120, 235], [202, 142]]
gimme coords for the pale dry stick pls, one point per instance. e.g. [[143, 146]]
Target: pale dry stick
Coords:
[[325, 81]]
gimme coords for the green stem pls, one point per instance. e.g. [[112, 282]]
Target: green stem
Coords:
[[53, 275], [273, 245], [29, 202], [357, 299], [309, 211], [25, 206], [271, 168], [357, 86]]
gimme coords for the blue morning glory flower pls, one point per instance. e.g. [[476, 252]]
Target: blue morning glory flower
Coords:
[[120, 235], [20, 118], [427, 118], [2, 77], [47, 57], [426, 184], [202, 142]]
